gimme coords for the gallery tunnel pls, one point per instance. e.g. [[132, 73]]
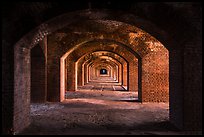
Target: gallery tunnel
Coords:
[[103, 59], [107, 60]]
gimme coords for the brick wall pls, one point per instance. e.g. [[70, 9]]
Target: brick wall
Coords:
[[184, 21], [155, 76]]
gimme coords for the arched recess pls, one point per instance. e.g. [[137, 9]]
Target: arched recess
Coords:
[[87, 57], [111, 56], [103, 71], [91, 56], [22, 57], [114, 71], [72, 55], [97, 67], [86, 67], [94, 66], [100, 63]]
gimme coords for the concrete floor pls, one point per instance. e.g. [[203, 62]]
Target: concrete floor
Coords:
[[100, 112]]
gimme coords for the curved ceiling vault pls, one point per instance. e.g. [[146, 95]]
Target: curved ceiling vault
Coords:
[[90, 32], [88, 36], [117, 32]]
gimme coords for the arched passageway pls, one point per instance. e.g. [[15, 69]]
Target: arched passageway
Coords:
[[139, 62], [146, 60]]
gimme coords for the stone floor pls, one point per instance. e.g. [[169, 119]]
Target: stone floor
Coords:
[[100, 112], [98, 84], [102, 87]]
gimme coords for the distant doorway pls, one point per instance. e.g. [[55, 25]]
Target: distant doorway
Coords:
[[103, 71]]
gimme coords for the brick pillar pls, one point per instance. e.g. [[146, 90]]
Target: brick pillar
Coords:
[[53, 71], [7, 87], [79, 74], [193, 86], [133, 78], [21, 89], [176, 88], [70, 74], [38, 93], [124, 75]]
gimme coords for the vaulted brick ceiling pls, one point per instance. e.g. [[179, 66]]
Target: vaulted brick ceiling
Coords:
[[103, 31]]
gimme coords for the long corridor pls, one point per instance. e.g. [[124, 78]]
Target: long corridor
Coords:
[[101, 67]]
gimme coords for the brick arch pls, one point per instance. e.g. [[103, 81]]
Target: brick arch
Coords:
[[53, 25], [180, 25], [150, 48], [122, 41], [112, 62], [23, 48], [89, 61], [99, 65], [81, 61], [80, 49]]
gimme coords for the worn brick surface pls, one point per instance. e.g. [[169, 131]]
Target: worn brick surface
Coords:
[[179, 29], [38, 92]]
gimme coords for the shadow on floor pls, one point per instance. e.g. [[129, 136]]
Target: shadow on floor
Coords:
[[128, 100], [152, 128]]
